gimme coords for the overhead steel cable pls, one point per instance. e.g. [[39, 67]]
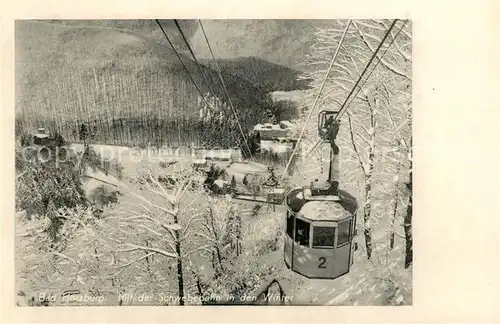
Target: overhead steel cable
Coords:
[[194, 56], [182, 62], [317, 98], [187, 71], [208, 83], [374, 67], [224, 86], [374, 55], [361, 86]]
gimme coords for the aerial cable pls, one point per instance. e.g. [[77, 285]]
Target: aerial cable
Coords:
[[374, 67], [317, 98], [224, 86], [361, 86], [205, 78], [388, 32], [194, 56], [182, 62], [185, 67], [201, 71]]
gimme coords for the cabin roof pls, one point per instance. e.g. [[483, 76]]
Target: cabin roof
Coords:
[[296, 201], [324, 211], [286, 123], [40, 135]]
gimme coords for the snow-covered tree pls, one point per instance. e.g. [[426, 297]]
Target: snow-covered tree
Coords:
[[74, 261], [159, 233], [375, 136]]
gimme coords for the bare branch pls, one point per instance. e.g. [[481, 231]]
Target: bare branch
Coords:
[[139, 217], [187, 234], [151, 230], [389, 66], [205, 236], [360, 161], [134, 261], [171, 212], [197, 249], [399, 234], [184, 188], [171, 247], [400, 50], [164, 193], [407, 33], [170, 232], [355, 65], [189, 222], [64, 257], [135, 247], [360, 124], [360, 22], [205, 226], [31, 231], [397, 129]]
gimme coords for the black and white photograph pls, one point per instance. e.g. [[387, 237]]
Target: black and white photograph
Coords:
[[171, 162]]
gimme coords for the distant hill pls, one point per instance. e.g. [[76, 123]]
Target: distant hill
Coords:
[[281, 41], [263, 74]]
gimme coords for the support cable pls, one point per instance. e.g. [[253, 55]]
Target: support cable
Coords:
[[224, 86], [317, 98], [187, 70], [361, 86], [375, 66], [374, 55]]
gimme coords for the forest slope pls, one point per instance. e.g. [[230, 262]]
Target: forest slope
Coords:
[[87, 72], [69, 72]]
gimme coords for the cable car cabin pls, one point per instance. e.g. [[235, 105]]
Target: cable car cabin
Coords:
[[319, 235]]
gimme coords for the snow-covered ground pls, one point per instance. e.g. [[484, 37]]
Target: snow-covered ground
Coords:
[[378, 281]]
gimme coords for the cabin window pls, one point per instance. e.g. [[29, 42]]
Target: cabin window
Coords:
[[344, 232], [323, 236], [302, 232], [289, 224]]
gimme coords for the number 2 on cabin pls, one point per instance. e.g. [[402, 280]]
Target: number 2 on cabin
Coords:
[[322, 263]]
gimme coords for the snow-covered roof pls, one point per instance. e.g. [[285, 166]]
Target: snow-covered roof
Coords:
[[200, 161], [247, 167], [296, 200], [267, 126], [220, 183], [276, 146], [286, 123], [324, 211]]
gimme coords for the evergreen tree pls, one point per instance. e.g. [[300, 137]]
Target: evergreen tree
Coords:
[[84, 132]]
